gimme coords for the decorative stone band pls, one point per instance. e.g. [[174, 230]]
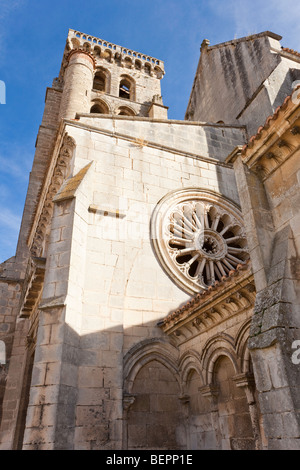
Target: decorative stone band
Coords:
[[78, 39], [78, 53], [198, 237], [57, 175], [232, 296]]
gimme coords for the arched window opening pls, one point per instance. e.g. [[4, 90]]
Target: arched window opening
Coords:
[[99, 81], [76, 43], [97, 51], [128, 62], [147, 68], [86, 47], [107, 55], [125, 89], [158, 72]]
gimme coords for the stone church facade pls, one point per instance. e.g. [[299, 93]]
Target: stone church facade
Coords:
[[154, 298]]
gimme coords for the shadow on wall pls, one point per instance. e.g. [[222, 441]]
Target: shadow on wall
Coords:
[[165, 401]]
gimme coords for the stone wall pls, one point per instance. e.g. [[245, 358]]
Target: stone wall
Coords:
[[101, 269], [242, 81], [268, 179]]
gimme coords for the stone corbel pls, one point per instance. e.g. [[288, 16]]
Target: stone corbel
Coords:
[[184, 399], [246, 381], [128, 401], [211, 392]]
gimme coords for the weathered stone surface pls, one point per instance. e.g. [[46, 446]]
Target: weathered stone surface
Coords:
[[104, 349]]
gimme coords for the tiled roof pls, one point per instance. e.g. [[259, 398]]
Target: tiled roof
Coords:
[[291, 51], [197, 299]]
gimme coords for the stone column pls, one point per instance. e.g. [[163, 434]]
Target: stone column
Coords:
[[185, 401], [275, 321], [78, 84]]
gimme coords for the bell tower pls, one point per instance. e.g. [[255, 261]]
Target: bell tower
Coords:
[[99, 77]]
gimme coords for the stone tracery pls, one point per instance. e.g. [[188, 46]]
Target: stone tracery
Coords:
[[199, 237]]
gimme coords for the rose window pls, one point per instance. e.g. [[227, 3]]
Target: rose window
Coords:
[[198, 237]]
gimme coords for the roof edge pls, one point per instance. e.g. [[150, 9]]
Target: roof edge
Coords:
[[246, 38]]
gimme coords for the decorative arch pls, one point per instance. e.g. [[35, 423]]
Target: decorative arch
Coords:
[[145, 352], [190, 361], [75, 43], [128, 62], [158, 72], [125, 111], [99, 107], [147, 68], [87, 47], [138, 64], [153, 409], [217, 346], [107, 55], [241, 346], [97, 51]]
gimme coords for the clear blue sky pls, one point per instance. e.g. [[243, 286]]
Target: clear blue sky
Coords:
[[32, 40]]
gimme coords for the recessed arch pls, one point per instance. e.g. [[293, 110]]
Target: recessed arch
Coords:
[[75, 43], [87, 47], [138, 64], [215, 357], [216, 346], [155, 417], [97, 51], [147, 351], [188, 362], [242, 350], [125, 111], [99, 107], [158, 72], [128, 62], [147, 68], [107, 55]]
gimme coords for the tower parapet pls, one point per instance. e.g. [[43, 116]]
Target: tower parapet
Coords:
[[124, 81], [102, 49]]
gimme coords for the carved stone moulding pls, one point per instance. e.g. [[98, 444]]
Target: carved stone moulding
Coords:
[[198, 237], [60, 173]]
